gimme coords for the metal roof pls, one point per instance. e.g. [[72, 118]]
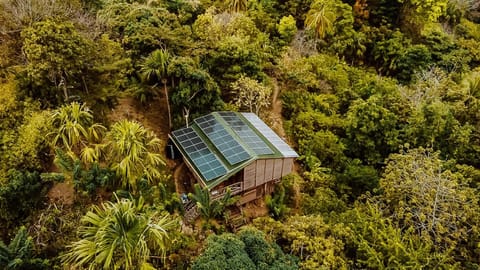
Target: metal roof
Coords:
[[220, 144]]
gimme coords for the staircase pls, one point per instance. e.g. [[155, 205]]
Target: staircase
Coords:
[[191, 212], [236, 219]]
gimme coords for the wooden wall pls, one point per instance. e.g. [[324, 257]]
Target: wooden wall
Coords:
[[258, 176]]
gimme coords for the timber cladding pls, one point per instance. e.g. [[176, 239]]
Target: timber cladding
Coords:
[[263, 171]]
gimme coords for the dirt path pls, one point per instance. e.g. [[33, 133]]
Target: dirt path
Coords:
[[276, 110], [153, 116]]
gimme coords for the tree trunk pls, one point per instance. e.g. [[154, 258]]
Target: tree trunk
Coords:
[[164, 81]]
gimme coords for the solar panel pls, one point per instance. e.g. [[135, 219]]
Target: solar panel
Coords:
[[209, 166], [223, 141], [249, 137], [268, 133]]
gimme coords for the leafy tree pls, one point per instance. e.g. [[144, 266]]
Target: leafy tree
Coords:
[[195, 90], [76, 131], [20, 195], [154, 68], [223, 252], [372, 130], [251, 94], [317, 244], [63, 65], [247, 250], [318, 192], [276, 203], [142, 27], [208, 207], [426, 10], [380, 244], [25, 143], [320, 17], [265, 255], [422, 193], [229, 46], [287, 29], [133, 153], [85, 177], [120, 235], [237, 5], [57, 59], [19, 253]]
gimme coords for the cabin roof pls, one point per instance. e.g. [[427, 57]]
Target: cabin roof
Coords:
[[220, 144]]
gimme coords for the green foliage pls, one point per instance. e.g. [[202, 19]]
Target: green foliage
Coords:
[[318, 192], [231, 45], [287, 29], [372, 130], [19, 254], [223, 252], [91, 179], [246, 250], [357, 179], [63, 65], [422, 194], [344, 111], [276, 203], [321, 17], [265, 255], [23, 130], [20, 194], [379, 244], [208, 207], [251, 95], [120, 235], [428, 10], [75, 131], [318, 245], [195, 90], [133, 153], [143, 28], [154, 69], [31, 145], [57, 58]]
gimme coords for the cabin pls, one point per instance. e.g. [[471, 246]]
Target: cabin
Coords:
[[236, 151]]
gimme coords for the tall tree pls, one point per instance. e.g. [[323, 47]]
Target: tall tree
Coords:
[[251, 94], [154, 68], [133, 152], [75, 131], [422, 194], [121, 235], [208, 207], [320, 17], [57, 60]]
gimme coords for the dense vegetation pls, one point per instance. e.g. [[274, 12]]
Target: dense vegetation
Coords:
[[380, 98]]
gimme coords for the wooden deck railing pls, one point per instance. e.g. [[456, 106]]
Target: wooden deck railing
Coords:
[[235, 189], [191, 210]]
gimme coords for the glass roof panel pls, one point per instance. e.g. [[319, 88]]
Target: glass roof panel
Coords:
[[268, 133], [249, 137], [222, 140], [207, 163]]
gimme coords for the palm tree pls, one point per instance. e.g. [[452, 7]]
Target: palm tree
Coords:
[[133, 152], [207, 207], [154, 68], [74, 127], [237, 5], [320, 18], [120, 235]]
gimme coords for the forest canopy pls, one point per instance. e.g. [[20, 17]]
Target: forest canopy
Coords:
[[380, 99]]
